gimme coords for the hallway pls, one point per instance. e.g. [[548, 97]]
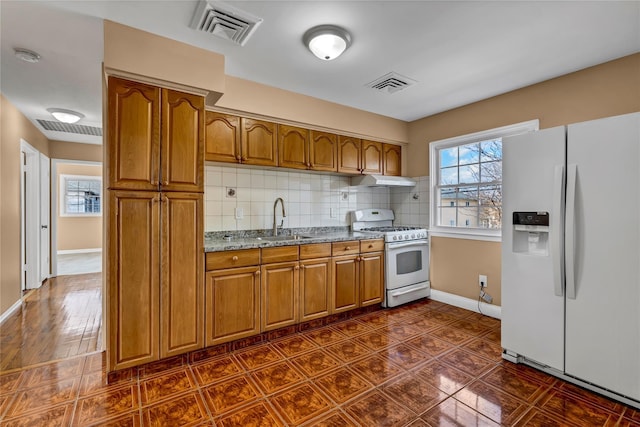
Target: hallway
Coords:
[[59, 320]]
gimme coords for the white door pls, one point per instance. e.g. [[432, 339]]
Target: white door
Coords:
[[532, 307], [603, 307], [30, 215], [45, 222]]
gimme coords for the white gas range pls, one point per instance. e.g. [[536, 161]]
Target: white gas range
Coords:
[[406, 255]]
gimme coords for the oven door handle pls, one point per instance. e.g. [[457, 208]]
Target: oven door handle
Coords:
[[407, 244], [395, 294]]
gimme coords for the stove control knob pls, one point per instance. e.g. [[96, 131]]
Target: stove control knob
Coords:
[[395, 237], [413, 236]]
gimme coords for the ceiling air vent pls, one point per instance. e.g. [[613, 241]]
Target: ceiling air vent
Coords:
[[70, 128], [224, 21], [392, 82]]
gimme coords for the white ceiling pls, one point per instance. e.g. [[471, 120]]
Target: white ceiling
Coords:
[[458, 52]]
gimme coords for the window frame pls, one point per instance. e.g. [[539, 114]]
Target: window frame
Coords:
[[465, 232], [64, 178]]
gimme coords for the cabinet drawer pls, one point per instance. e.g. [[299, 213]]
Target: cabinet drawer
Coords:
[[230, 259], [371, 245], [315, 250], [279, 254], [345, 248]]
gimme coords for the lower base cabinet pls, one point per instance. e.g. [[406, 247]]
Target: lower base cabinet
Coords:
[[232, 304], [279, 295], [315, 286], [371, 278], [346, 283]]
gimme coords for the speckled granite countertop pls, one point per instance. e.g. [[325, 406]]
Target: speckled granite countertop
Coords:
[[215, 242]]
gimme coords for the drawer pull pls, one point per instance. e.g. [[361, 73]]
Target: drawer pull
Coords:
[[347, 248], [370, 245], [235, 258]]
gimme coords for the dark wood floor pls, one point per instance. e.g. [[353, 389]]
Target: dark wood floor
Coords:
[[61, 319]]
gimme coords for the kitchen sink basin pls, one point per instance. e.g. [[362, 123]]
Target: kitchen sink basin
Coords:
[[283, 238]]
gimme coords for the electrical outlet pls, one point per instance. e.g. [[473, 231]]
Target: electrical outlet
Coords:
[[482, 281]]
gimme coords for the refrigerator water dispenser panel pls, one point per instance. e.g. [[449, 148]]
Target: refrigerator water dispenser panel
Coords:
[[531, 233]]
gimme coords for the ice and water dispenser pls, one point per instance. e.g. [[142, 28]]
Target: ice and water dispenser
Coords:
[[531, 233]]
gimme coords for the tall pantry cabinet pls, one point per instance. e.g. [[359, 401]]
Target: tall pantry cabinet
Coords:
[[155, 276]]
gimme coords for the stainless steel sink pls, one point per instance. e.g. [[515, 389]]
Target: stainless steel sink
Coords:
[[283, 238]]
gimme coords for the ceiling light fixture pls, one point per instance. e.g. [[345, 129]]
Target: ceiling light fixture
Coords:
[[327, 42], [26, 55], [65, 116]]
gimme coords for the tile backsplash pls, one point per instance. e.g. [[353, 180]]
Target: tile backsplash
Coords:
[[311, 199]]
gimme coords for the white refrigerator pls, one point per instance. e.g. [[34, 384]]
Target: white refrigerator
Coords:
[[571, 253]]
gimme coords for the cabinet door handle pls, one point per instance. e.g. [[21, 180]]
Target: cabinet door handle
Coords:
[[238, 158], [257, 273], [243, 159], [165, 183], [297, 267], [234, 258], [348, 248]]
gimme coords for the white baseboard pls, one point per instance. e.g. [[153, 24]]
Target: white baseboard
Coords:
[[10, 310], [79, 251], [466, 303]]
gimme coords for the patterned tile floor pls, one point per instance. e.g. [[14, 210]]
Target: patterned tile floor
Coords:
[[426, 364]]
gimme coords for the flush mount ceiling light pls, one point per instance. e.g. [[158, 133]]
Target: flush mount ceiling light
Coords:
[[26, 55], [327, 42], [65, 116]]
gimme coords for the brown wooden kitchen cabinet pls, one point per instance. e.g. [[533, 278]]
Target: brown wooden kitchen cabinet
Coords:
[[315, 281], [349, 154], [155, 138], [155, 226], [371, 157], [133, 277], [222, 137], [392, 160], [371, 272], [232, 304], [259, 142], [293, 147], [323, 151], [346, 283], [182, 273], [279, 287]]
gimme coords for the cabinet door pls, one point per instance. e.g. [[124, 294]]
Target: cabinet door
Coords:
[[132, 277], [259, 145], [371, 278], [392, 159], [279, 295], [232, 304], [182, 156], [222, 137], [182, 281], [346, 283], [371, 157], [293, 147], [133, 135], [315, 286], [323, 151], [349, 150]]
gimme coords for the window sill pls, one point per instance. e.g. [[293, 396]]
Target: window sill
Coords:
[[468, 234]]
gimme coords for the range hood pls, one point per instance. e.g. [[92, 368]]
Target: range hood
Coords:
[[382, 181]]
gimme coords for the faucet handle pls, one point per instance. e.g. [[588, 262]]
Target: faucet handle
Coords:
[[281, 223]]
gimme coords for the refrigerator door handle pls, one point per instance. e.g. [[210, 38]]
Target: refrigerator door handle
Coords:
[[570, 232], [557, 230]]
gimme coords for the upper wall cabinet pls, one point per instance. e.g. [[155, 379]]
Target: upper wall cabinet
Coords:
[[259, 142], [156, 138], [293, 147], [349, 153], [392, 159], [222, 137], [323, 151], [371, 157], [134, 135]]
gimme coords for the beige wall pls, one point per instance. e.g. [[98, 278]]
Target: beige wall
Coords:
[[75, 233], [605, 90], [74, 151], [130, 50], [13, 126]]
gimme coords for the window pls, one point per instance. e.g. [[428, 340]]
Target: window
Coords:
[[80, 195], [466, 181]]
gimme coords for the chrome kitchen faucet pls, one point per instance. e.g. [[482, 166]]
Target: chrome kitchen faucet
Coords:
[[275, 227]]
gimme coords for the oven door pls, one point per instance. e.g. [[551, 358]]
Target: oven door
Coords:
[[407, 263]]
